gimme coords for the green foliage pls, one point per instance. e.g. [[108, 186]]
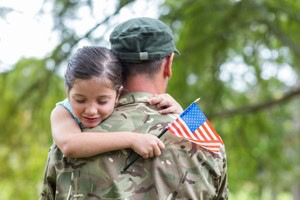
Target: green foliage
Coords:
[[228, 51], [29, 93]]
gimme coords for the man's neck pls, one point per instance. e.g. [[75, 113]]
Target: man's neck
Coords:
[[144, 84]]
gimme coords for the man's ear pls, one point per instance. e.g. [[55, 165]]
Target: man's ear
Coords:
[[119, 91], [168, 65]]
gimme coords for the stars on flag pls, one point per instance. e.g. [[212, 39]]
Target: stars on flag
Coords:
[[193, 125]]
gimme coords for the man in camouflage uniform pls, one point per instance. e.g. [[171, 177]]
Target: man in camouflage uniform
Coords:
[[183, 171]]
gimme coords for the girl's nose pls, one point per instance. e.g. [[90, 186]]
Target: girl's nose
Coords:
[[91, 110]]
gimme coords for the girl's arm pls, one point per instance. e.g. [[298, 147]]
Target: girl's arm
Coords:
[[167, 104], [73, 143]]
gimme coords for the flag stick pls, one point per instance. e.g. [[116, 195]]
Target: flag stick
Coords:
[[138, 156], [197, 100], [162, 133]]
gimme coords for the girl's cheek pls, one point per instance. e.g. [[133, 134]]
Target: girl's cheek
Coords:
[[76, 109]]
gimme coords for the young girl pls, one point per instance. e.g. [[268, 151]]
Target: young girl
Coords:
[[94, 82]]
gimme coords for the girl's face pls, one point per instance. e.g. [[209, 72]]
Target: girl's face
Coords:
[[92, 100]]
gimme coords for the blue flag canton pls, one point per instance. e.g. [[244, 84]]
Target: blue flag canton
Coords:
[[193, 117]]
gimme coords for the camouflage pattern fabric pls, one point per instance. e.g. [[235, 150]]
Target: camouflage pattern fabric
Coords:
[[183, 171]]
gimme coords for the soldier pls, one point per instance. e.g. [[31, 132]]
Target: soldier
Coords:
[[184, 170]]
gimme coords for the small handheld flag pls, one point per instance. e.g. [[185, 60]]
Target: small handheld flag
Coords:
[[193, 125]]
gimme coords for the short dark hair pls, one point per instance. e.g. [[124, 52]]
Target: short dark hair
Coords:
[[93, 61], [148, 68]]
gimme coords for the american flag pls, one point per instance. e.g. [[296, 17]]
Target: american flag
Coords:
[[193, 125]]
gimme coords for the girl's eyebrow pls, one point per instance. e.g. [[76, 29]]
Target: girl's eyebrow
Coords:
[[101, 96], [78, 95], [104, 96]]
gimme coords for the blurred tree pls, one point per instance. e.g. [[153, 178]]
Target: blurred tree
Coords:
[[29, 92], [240, 56]]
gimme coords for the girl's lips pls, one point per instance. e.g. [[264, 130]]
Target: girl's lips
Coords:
[[91, 119]]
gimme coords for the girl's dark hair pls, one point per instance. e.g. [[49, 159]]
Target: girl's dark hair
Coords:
[[93, 61]]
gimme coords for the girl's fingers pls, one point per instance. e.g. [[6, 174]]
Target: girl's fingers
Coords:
[[145, 156], [151, 153], [160, 97], [167, 110], [161, 145], [156, 150], [164, 103], [154, 100]]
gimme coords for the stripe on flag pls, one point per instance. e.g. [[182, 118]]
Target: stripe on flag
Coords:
[[193, 125]]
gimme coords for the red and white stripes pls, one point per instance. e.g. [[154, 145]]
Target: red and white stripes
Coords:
[[205, 135]]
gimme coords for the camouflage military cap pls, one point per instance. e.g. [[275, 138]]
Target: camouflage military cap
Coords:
[[142, 39]]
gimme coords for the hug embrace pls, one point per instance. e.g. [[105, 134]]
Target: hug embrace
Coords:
[[116, 107]]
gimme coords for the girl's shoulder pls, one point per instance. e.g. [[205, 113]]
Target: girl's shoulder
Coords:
[[66, 103]]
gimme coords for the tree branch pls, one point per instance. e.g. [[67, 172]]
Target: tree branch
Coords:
[[258, 107], [72, 41], [283, 37], [58, 55]]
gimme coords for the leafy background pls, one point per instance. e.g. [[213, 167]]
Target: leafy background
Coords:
[[240, 56]]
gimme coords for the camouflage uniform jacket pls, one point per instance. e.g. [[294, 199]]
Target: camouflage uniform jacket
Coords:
[[183, 170]]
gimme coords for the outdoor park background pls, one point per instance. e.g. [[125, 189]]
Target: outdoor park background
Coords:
[[242, 57]]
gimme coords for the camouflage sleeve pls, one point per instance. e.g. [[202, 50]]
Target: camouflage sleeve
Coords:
[[223, 193], [49, 181]]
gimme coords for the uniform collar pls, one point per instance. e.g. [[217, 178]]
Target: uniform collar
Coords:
[[134, 97]]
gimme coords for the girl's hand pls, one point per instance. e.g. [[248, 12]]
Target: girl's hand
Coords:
[[146, 145], [167, 104]]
